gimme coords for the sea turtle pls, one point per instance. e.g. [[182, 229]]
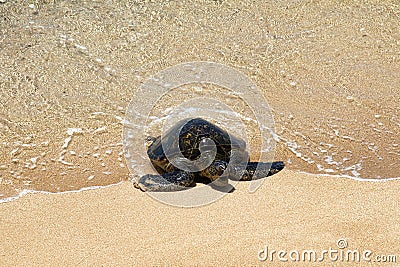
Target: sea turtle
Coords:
[[188, 145]]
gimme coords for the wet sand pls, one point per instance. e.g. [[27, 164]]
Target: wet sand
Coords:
[[329, 71]]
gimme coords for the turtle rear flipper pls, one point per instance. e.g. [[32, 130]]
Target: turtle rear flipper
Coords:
[[171, 181], [249, 173]]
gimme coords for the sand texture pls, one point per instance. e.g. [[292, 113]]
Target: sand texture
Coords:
[[123, 226], [329, 70]]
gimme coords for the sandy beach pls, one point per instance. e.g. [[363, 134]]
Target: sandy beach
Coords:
[[123, 226], [329, 70]]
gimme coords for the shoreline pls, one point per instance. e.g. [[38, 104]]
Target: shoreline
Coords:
[[31, 191]]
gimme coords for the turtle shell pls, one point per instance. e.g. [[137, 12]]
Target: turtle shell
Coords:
[[186, 137]]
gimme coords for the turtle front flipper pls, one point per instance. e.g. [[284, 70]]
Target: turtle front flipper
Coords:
[[264, 169], [167, 182]]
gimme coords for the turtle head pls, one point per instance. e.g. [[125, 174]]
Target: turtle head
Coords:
[[215, 172], [217, 168]]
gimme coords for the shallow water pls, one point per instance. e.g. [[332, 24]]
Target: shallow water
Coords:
[[331, 83]]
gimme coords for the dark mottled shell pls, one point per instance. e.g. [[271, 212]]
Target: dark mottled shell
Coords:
[[191, 133]]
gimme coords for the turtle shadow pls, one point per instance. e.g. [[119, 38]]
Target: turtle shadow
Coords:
[[225, 189]]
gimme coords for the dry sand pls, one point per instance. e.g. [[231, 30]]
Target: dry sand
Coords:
[[123, 226], [330, 72]]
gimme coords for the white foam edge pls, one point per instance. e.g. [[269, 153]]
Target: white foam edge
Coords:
[[360, 179], [30, 191]]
